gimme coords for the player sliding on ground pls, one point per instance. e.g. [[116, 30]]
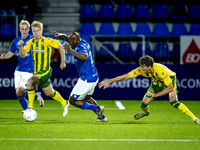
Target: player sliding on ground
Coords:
[[163, 82], [81, 94], [41, 48]]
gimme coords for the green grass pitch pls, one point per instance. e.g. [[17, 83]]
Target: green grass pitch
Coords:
[[166, 128]]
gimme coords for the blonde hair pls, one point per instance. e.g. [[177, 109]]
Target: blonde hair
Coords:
[[24, 22], [37, 24]]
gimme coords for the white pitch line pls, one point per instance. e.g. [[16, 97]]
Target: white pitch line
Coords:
[[119, 105], [105, 140]]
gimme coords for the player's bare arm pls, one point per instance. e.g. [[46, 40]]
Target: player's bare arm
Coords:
[[105, 84], [62, 56], [21, 50], [81, 56], [161, 93], [7, 56], [61, 36]]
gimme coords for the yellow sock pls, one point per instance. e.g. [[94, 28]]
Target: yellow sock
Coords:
[[59, 98], [31, 97], [186, 111], [145, 107]]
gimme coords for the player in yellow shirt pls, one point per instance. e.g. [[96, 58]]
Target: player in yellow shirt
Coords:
[[41, 48], [163, 82]]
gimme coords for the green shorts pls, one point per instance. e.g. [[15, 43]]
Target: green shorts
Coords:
[[45, 80], [155, 88]]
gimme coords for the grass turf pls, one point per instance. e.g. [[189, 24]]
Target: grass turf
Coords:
[[165, 128]]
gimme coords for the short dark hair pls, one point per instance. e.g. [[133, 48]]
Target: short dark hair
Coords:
[[146, 60]]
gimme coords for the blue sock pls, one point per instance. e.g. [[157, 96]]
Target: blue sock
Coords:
[[95, 110], [89, 106], [26, 94], [23, 102]]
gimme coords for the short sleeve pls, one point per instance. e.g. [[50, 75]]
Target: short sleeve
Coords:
[[12, 47], [27, 46], [134, 73], [53, 43]]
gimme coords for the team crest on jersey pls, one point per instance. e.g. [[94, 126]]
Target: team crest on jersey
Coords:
[[134, 72]]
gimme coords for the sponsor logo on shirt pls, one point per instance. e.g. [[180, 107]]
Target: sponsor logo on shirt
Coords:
[[38, 51]]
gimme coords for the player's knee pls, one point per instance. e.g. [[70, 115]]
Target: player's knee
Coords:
[[20, 91], [33, 81], [175, 103]]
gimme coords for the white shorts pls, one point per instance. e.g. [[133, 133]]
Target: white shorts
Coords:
[[21, 78], [82, 89]]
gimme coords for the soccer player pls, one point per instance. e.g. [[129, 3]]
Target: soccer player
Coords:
[[88, 76], [24, 69], [41, 48], [163, 82]]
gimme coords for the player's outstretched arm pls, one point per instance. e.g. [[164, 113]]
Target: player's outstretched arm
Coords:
[[105, 84], [62, 56], [81, 56], [61, 36], [7, 56], [21, 50]]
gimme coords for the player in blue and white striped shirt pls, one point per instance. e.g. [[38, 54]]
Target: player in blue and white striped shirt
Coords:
[[24, 68], [88, 75]]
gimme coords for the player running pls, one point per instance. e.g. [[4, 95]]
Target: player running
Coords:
[[163, 82], [40, 48], [81, 94], [24, 69]]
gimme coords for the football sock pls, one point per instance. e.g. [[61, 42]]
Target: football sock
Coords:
[[89, 106], [145, 107], [59, 98], [23, 102], [31, 97], [26, 94], [186, 111], [95, 111]]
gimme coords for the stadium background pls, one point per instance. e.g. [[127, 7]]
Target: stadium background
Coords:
[[119, 31]]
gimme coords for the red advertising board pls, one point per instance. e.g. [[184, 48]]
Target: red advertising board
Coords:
[[190, 49]]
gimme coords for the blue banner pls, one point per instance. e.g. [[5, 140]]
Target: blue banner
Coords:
[[188, 82]]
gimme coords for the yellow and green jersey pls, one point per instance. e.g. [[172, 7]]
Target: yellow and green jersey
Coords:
[[161, 74], [41, 53]]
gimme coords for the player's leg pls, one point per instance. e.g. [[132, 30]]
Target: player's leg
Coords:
[[31, 83], [49, 91], [90, 100], [20, 88], [145, 103], [176, 104], [38, 97], [145, 108], [21, 97], [82, 91]]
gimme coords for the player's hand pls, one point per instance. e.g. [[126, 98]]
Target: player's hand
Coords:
[[153, 95], [104, 84], [67, 47], [2, 56], [62, 66], [55, 33], [60, 35], [21, 42]]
